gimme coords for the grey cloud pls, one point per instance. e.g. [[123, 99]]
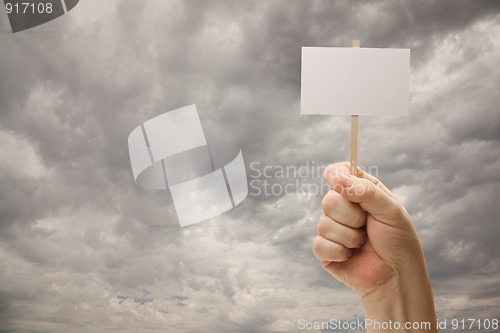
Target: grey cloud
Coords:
[[83, 233]]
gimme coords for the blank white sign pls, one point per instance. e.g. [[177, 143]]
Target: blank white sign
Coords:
[[355, 81]]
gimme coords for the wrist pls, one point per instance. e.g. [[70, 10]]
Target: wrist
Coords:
[[401, 304], [385, 305]]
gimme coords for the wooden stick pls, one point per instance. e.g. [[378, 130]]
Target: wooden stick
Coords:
[[354, 145], [354, 131]]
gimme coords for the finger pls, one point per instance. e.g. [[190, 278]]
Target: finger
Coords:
[[342, 210], [371, 198], [334, 170], [340, 234], [344, 168], [326, 250], [374, 180]]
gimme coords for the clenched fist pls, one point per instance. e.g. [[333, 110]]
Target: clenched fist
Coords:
[[367, 241]]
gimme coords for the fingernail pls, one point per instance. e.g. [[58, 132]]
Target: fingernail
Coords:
[[345, 181]]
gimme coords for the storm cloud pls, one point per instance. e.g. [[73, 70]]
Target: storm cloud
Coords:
[[83, 249]]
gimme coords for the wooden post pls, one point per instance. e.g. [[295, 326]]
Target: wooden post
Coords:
[[354, 131], [354, 145]]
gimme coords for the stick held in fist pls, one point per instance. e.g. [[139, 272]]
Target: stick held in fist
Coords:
[[367, 241]]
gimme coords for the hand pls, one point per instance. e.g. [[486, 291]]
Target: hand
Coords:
[[365, 234], [367, 241]]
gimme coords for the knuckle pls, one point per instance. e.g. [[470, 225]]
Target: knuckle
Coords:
[[328, 201], [316, 247], [322, 225], [330, 171], [325, 203], [327, 173]]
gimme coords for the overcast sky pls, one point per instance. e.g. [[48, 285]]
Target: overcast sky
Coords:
[[83, 249]]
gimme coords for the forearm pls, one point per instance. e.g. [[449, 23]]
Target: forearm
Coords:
[[406, 301]]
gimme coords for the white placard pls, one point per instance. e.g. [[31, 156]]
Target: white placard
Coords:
[[355, 81]]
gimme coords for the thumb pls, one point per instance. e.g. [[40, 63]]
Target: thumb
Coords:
[[373, 199]]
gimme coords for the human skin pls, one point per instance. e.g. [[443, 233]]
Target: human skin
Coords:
[[367, 241]]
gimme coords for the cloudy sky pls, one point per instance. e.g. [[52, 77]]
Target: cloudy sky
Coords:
[[83, 249]]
